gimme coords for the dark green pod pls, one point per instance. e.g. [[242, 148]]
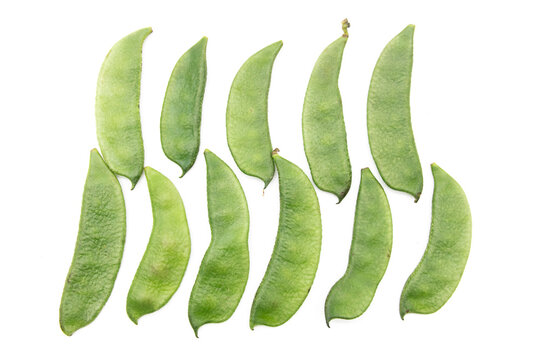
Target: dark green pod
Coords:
[[182, 107]]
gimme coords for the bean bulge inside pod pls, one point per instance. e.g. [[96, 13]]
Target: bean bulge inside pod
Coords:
[[224, 270], [167, 254], [437, 275], [295, 258]]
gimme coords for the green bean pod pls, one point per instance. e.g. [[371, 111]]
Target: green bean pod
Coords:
[[295, 258], [224, 269], [389, 117], [247, 115], [118, 120], [182, 107], [99, 248], [438, 274], [167, 254], [323, 127], [371, 247]]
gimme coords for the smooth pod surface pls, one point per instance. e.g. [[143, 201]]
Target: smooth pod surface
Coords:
[[295, 258], [438, 274], [247, 115], [371, 247], [323, 126], [224, 269], [182, 107], [389, 117], [166, 257], [99, 248], [118, 120]]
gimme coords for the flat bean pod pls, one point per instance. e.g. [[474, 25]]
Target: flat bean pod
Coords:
[[118, 120], [369, 255], [167, 254], [295, 258], [224, 269], [323, 127], [99, 248], [182, 107], [389, 117], [247, 115], [438, 274]]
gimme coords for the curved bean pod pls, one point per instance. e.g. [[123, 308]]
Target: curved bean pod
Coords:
[[389, 117], [438, 274], [295, 258], [118, 120], [167, 254], [247, 115], [323, 127], [368, 258], [99, 248], [182, 107], [224, 269]]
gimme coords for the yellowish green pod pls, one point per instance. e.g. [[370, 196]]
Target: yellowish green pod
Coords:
[[247, 115], [167, 254], [118, 120]]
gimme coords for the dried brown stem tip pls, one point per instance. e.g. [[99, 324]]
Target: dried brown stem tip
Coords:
[[344, 26]]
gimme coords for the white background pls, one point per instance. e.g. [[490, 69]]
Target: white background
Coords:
[[475, 112]]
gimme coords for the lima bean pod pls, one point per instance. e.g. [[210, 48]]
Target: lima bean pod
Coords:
[[182, 107], [167, 254], [118, 120], [389, 126], [438, 274], [247, 115], [295, 258], [369, 255], [99, 248], [224, 269], [323, 127]]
